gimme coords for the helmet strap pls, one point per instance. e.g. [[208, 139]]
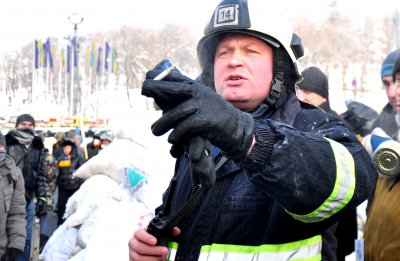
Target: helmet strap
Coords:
[[277, 94]]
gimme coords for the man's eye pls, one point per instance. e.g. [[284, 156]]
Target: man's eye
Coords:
[[222, 53]]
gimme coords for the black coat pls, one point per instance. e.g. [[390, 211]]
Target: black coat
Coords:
[[31, 163], [66, 180]]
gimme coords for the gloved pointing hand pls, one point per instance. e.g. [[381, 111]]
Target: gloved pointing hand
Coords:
[[197, 110], [172, 95]]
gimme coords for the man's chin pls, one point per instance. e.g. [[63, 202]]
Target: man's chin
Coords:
[[242, 105]]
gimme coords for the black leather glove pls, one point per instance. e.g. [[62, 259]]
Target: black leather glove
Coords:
[[41, 207], [203, 167], [11, 254], [198, 149], [192, 109]]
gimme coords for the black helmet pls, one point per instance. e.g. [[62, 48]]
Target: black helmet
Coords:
[[243, 17]]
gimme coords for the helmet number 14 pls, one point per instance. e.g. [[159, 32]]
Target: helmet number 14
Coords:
[[227, 14]]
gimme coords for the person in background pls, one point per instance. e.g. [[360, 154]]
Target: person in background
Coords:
[[51, 173], [106, 138], [78, 142], [68, 163], [386, 119], [272, 174], [71, 134], [12, 201], [382, 228], [57, 150], [94, 146], [360, 117], [27, 151], [314, 89]]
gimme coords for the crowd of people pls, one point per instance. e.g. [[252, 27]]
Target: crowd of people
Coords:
[[265, 168], [41, 176]]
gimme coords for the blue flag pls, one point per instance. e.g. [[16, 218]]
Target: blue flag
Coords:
[[68, 59], [74, 43], [107, 52], [36, 54], [98, 67]]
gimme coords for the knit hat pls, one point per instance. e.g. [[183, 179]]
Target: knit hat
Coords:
[[24, 117], [396, 68], [315, 80], [388, 63], [2, 140]]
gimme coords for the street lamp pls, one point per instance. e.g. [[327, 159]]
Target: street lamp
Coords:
[[74, 19]]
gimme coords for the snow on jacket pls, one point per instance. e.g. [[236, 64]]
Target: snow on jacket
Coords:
[[12, 207], [305, 171]]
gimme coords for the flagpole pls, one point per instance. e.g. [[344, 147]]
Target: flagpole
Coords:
[[74, 19], [47, 91], [66, 78], [40, 73], [33, 70], [60, 73], [71, 92]]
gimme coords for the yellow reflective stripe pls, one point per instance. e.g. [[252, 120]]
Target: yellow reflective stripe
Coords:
[[173, 248], [307, 249], [344, 186]]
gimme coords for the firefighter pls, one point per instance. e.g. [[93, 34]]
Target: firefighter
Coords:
[[285, 171]]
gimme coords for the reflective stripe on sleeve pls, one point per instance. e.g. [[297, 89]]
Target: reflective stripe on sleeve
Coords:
[[307, 249], [173, 247], [343, 190]]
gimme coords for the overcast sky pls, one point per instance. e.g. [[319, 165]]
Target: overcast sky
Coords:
[[22, 21]]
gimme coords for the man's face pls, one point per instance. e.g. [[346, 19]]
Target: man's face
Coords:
[[243, 67], [390, 90], [396, 93], [25, 125], [311, 97]]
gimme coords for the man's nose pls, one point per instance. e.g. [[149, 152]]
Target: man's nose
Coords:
[[236, 59]]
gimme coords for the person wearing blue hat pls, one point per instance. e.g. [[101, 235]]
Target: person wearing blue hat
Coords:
[[387, 118], [382, 242]]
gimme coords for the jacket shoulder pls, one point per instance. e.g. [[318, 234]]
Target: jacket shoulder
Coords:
[[37, 143], [10, 139]]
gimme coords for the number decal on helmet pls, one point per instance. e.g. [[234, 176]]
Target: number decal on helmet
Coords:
[[226, 15]]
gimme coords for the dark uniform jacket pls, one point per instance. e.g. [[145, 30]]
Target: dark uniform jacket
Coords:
[[346, 230], [305, 172], [31, 163]]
